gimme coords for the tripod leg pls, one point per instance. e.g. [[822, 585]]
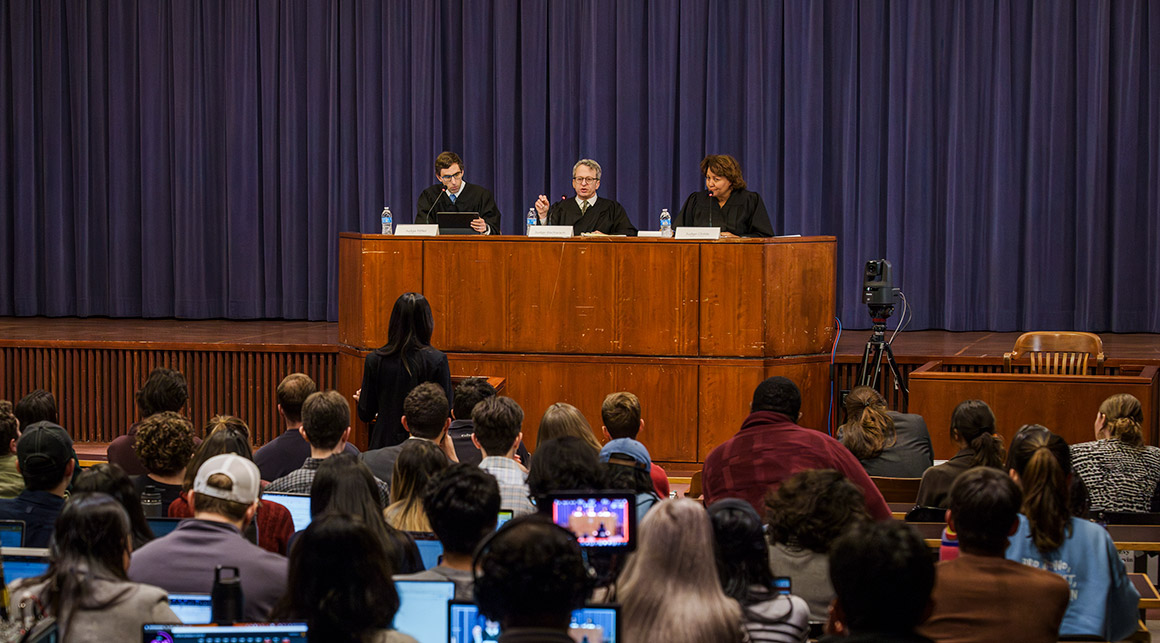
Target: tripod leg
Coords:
[[863, 371], [899, 383], [878, 349]]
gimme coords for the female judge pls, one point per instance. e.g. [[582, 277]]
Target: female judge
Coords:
[[725, 202], [406, 361]]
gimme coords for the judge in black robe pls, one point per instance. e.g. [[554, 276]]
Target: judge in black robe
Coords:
[[471, 198], [587, 212], [743, 214]]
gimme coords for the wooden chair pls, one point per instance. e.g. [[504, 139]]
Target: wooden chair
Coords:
[[898, 489], [694, 486], [1057, 352]]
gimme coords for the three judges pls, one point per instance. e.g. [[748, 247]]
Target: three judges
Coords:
[[587, 213], [453, 194]]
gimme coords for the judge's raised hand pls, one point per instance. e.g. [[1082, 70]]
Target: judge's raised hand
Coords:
[[542, 205], [479, 225]]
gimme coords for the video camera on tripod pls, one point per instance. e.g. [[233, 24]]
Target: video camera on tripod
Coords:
[[878, 289], [878, 294]]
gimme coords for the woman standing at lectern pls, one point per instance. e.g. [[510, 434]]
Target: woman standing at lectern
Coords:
[[406, 361], [725, 202]]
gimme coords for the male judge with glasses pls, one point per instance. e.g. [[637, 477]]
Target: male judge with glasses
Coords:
[[453, 194], [586, 213]]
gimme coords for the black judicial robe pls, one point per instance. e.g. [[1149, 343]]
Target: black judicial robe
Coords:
[[473, 198], [744, 213], [605, 216]]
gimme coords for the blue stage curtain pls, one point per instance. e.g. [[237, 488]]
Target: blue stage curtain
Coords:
[[198, 159]]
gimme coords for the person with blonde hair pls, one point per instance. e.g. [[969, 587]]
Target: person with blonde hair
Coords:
[[670, 590], [563, 419], [1118, 469], [895, 445], [418, 461]]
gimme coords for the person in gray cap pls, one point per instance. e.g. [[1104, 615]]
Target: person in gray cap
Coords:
[[224, 500], [44, 457], [627, 464]]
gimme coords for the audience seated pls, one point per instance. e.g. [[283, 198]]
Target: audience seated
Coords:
[[11, 483], [418, 462], [86, 588], [106, 477], [669, 589], [627, 467], [1118, 470], [563, 464], [889, 444], [44, 455], [883, 575], [973, 429], [468, 393], [744, 570], [164, 390], [425, 417], [462, 503], [272, 525], [38, 405], [981, 596], [342, 599], [620, 414], [498, 422], [326, 423], [345, 485], [1103, 600], [290, 449], [805, 515], [531, 576], [224, 500], [164, 444], [771, 447], [561, 420]]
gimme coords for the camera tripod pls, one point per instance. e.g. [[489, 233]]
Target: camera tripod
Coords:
[[877, 347]]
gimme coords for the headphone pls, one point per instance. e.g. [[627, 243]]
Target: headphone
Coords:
[[568, 572]]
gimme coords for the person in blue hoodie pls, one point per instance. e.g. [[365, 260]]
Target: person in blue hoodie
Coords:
[[1103, 601]]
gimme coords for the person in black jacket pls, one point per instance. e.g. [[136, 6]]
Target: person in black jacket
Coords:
[[587, 213], [725, 202], [453, 194]]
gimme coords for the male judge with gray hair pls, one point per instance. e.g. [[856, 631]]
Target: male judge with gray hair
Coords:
[[586, 213]]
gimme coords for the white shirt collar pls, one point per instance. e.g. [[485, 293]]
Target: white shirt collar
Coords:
[[461, 187], [591, 201]]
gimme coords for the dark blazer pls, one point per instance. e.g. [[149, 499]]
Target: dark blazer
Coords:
[[605, 216], [743, 214], [386, 383], [473, 198]]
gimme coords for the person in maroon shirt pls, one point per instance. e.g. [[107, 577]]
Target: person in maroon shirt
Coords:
[[164, 390], [771, 447]]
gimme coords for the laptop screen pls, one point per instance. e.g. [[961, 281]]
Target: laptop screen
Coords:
[[248, 633], [504, 516], [430, 549], [11, 533], [192, 609], [593, 623], [298, 504], [24, 562], [162, 526], [423, 609]]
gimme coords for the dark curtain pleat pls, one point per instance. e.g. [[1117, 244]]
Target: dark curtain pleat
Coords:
[[198, 159]]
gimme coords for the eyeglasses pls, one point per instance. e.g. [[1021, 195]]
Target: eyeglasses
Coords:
[[450, 177], [584, 180]]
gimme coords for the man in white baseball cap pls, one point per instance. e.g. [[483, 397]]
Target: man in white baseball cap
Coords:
[[224, 500]]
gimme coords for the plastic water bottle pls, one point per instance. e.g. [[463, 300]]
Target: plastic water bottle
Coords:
[[949, 547], [388, 221], [533, 219], [666, 223]]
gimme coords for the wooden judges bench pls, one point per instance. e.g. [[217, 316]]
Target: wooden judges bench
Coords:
[[691, 327]]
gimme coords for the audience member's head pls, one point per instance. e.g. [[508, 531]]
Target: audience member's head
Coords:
[[882, 574], [292, 391], [9, 428], [37, 406], [1040, 461], [627, 465], [563, 464], [562, 420], [462, 504], [742, 557], [868, 429], [812, 508], [164, 390], [498, 421], [468, 393], [1123, 417], [45, 456], [531, 574], [418, 461], [344, 484], [226, 487], [669, 588], [164, 443], [425, 411], [229, 423], [779, 395], [341, 598], [973, 426], [620, 414], [984, 510], [223, 435], [325, 419], [106, 477]]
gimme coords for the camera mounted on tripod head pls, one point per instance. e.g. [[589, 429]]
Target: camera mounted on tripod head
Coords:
[[878, 289]]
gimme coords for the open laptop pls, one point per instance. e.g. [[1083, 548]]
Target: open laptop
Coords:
[[162, 526], [423, 609], [599, 623], [297, 503], [430, 549], [11, 533], [23, 562], [456, 222], [192, 609], [246, 633]]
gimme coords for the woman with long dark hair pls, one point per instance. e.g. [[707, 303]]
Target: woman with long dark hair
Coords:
[[106, 477], [1119, 471], [404, 362], [1104, 602], [86, 587], [973, 429]]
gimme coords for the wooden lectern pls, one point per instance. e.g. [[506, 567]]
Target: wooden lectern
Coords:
[[691, 327]]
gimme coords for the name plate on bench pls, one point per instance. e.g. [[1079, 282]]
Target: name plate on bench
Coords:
[[698, 232], [550, 231], [417, 230]]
